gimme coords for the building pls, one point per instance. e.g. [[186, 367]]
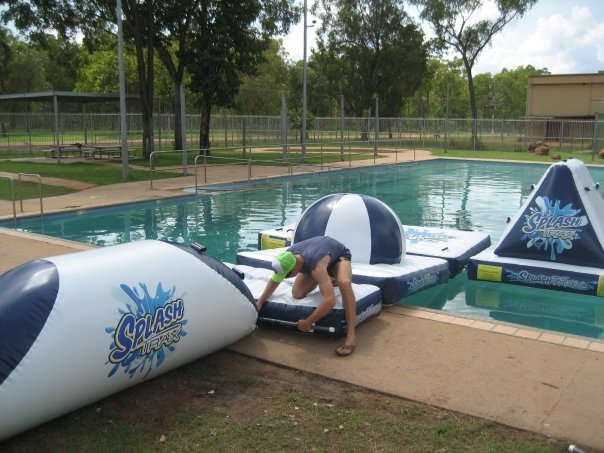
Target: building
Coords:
[[562, 107], [566, 95]]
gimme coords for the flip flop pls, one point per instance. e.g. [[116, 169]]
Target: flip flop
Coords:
[[345, 350]]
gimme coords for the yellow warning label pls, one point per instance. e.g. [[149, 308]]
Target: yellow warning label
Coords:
[[271, 242], [489, 273]]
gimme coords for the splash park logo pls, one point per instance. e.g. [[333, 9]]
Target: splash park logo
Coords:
[[148, 330], [552, 228], [416, 235]]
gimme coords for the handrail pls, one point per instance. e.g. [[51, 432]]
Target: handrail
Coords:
[[12, 188], [39, 192], [248, 161], [172, 151]]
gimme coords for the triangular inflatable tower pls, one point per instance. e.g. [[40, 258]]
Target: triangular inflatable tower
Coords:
[[556, 240]]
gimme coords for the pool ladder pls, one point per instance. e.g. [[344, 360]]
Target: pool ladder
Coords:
[[12, 189]]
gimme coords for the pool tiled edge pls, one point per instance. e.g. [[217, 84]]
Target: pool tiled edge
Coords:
[[503, 329]]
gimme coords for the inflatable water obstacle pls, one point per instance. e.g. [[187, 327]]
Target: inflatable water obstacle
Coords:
[[454, 246], [79, 327], [556, 240], [283, 310], [379, 243]]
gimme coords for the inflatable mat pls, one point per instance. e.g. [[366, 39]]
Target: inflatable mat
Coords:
[[284, 311], [396, 281]]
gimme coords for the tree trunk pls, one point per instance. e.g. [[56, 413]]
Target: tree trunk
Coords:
[[204, 130], [473, 107], [146, 76], [178, 119], [176, 75]]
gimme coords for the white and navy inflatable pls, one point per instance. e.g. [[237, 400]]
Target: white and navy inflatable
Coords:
[[79, 327], [556, 240], [376, 239], [454, 246], [368, 227], [283, 310]]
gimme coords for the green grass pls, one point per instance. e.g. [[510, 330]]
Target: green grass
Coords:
[[218, 156], [517, 156], [28, 190]]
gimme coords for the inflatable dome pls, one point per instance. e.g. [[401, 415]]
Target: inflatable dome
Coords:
[[368, 227]]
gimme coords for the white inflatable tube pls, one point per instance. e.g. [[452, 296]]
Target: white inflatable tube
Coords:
[[79, 327]]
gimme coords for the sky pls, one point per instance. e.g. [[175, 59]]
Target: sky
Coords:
[[563, 36]]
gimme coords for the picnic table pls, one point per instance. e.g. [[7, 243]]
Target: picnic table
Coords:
[[110, 151], [88, 151], [73, 149]]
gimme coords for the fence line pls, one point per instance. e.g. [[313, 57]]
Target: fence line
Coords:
[[34, 131]]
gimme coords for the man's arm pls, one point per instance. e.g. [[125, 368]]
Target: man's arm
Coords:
[[269, 289]]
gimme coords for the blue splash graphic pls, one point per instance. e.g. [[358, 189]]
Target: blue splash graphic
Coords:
[[550, 227], [416, 235], [147, 330]]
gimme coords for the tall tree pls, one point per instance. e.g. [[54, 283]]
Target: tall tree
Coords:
[[369, 49], [228, 39], [455, 28]]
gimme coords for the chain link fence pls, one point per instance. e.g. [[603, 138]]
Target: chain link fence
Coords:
[[30, 132]]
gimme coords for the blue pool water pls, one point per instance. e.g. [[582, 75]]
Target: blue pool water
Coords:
[[464, 195]]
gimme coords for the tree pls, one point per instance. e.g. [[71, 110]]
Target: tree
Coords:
[[228, 39], [454, 27], [63, 60], [369, 49], [260, 94]]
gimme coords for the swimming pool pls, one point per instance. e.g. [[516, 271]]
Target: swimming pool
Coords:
[[464, 195]]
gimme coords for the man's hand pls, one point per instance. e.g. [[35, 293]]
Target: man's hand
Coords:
[[304, 325]]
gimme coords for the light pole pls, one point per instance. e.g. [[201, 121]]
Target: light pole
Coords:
[[303, 138]]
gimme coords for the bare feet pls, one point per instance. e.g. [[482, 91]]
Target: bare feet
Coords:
[[345, 350]]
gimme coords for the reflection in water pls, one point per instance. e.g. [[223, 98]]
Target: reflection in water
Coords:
[[452, 194]]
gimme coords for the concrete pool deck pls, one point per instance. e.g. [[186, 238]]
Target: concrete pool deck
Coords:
[[535, 380]]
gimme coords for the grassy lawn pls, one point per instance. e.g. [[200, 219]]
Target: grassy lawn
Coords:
[[314, 156], [91, 173], [29, 190], [518, 156]]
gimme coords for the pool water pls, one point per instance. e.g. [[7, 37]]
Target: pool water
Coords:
[[465, 195]]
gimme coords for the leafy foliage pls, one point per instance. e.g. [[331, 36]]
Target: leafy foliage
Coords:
[[369, 49]]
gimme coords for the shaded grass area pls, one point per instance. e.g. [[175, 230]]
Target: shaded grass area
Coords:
[[26, 190], [91, 173], [228, 402], [314, 156]]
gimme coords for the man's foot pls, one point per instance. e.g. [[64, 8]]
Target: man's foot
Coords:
[[345, 350]]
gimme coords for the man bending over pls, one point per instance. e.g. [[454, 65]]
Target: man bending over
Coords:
[[320, 260]]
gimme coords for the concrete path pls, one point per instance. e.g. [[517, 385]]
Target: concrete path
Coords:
[[526, 378]]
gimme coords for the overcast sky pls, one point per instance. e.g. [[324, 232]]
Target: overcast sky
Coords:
[[564, 36]]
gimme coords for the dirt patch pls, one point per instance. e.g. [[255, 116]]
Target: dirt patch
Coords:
[[231, 402], [289, 404]]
